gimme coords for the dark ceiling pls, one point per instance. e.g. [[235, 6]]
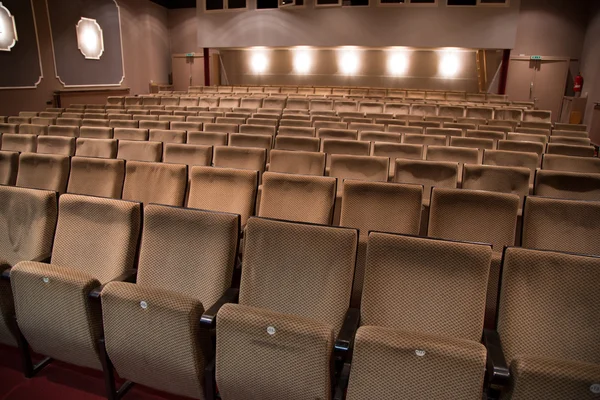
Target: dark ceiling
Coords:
[[171, 4]]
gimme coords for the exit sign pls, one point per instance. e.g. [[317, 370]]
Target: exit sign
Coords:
[[190, 54], [536, 57]]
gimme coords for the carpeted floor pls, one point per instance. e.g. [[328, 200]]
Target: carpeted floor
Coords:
[[60, 381]]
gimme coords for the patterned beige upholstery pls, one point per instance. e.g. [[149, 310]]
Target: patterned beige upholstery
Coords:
[[9, 128], [225, 128], [343, 134], [525, 137], [96, 177], [570, 150], [397, 150], [526, 147], [297, 162], [33, 129], [240, 157], [404, 338], [505, 158], [223, 189], [133, 150], [186, 263], [475, 143], [387, 137], [188, 154], [497, 179], [537, 116], [430, 140], [207, 138], [297, 131], [131, 134], [352, 147], [462, 155], [426, 173], [373, 206], [563, 225], [567, 185], [103, 148], [483, 134], [560, 162], [476, 216], [556, 354], [480, 112], [258, 130], [114, 123], [246, 140], [297, 143], [19, 142], [570, 127], [95, 242], [153, 124], [299, 198], [9, 165], [573, 134], [56, 145], [167, 136], [292, 304], [43, 171], [368, 168], [159, 183]]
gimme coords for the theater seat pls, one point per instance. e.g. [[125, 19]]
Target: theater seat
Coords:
[[207, 138], [56, 145], [139, 150], [291, 331], [299, 198], [27, 221], [570, 150], [152, 182], [494, 178], [185, 264], [188, 154], [103, 148], [567, 185], [297, 162], [223, 189], [571, 226], [417, 320], [18, 142], [9, 166], [96, 177], [297, 143], [43, 171], [547, 324], [367, 168], [240, 157]]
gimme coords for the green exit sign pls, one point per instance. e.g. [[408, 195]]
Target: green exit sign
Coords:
[[536, 57], [190, 54]]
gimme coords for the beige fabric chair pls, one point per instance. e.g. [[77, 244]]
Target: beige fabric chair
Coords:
[[223, 189], [299, 198], [360, 127], [329, 124], [480, 112], [526, 147], [297, 131], [461, 155], [367, 168], [297, 162], [494, 135], [559, 162], [500, 126], [426, 173], [570, 150], [96, 132], [497, 179], [95, 122], [154, 124], [388, 137], [246, 140], [537, 116], [188, 154], [290, 331], [525, 137], [423, 109], [149, 182], [113, 123], [95, 242], [573, 141], [573, 134], [186, 263], [56, 145], [297, 143], [57, 130], [533, 130], [9, 166], [43, 171], [258, 130], [103, 148], [225, 128], [240, 157], [345, 134], [451, 111], [561, 225], [374, 206], [18, 142], [207, 138], [167, 136], [9, 128], [418, 130], [27, 220], [424, 140], [566, 185], [39, 121], [505, 158], [30, 129], [509, 114], [555, 354], [460, 214], [96, 177], [339, 146], [417, 320], [570, 127], [397, 150], [133, 150], [475, 143], [131, 134]]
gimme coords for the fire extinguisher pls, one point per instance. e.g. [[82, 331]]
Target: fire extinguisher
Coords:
[[578, 84]]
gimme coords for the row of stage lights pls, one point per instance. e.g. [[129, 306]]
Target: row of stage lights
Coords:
[[349, 61]]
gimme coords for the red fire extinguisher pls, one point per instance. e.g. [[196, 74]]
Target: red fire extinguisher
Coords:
[[578, 84]]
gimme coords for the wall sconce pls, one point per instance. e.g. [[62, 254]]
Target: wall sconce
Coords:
[[449, 64], [8, 29], [398, 62], [259, 61], [302, 60], [90, 39], [348, 61]]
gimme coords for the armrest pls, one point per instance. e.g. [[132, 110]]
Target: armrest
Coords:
[[128, 276], [5, 268], [497, 372], [209, 318], [345, 339]]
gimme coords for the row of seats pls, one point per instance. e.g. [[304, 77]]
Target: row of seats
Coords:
[[290, 315]]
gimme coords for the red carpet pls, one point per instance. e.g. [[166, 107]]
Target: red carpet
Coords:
[[60, 381]]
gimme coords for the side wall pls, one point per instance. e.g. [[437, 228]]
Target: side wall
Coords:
[[590, 65], [145, 39]]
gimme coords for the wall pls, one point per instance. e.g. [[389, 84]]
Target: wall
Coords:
[[423, 27], [145, 50], [590, 64], [183, 30]]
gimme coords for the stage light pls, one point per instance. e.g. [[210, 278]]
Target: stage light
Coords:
[[259, 62], [90, 39], [8, 29], [348, 61], [449, 64], [397, 63], [302, 61]]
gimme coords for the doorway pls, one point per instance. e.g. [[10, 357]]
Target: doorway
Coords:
[[541, 81]]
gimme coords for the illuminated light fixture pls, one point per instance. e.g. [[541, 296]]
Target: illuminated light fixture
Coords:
[[348, 61], [90, 39], [449, 64], [302, 61], [259, 62], [398, 63], [8, 29]]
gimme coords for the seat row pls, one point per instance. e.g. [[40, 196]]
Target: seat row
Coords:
[[289, 327]]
